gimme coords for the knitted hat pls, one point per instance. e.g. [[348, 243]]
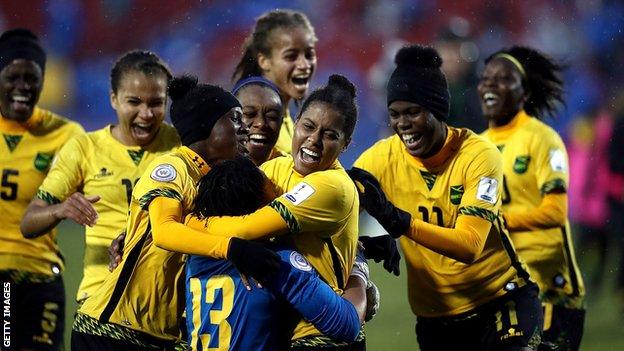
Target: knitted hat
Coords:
[[21, 44], [195, 108], [418, 79]]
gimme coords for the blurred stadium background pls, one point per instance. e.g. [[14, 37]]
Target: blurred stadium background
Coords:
[[358, 38]]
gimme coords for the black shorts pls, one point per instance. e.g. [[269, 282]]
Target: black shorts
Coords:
[[87, 342], [512, 321], [355, 346], [563, 326], [89, 334], [35, 311]]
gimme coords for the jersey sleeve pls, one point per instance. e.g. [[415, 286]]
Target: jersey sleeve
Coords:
[[483, 185], [164, 177], [551, 164], [66, 174], [300, 285], [320, 204]]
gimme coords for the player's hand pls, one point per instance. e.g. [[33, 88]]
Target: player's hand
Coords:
[[79, 208], [382, 248], [372, 301], [253, 259], [115, 251], [374, 200]]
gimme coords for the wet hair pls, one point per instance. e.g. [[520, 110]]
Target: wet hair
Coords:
[[231, 188], [340, 94], [142, 61], [259, 41], [541, 80]]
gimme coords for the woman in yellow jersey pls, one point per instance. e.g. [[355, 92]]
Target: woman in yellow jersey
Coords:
[[281, 49], [319, 205], [518, 87], [139, 305], [92, 177], [30, 269], [263, 115], [465, 284]]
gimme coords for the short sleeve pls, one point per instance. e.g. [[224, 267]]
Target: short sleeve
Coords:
[[163, 177], [66, 174], [321, 203], [551, 164], [483, 185]]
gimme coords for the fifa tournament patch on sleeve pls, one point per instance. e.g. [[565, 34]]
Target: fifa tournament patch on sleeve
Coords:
[[299, 193], [487, 190], [557, 160], [164, 173], [298, 261]]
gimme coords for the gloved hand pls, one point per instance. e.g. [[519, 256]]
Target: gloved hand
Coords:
[[253, 259], [361, 270], [382, 248], [372, 198], [372, 301]]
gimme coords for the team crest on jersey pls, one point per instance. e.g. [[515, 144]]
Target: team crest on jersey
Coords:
[[487, 190], [456, 193], [521, 164], [43, 160], [103, 173], [299, 193], [164, 173], [298, 261]]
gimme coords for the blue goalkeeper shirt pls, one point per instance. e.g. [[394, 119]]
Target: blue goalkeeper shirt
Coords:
[[221, 314]]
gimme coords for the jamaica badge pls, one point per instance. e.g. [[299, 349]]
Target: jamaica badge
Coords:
[[457, 191], [42, 161], [521, 164]]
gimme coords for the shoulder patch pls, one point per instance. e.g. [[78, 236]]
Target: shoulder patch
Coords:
[[298, 261], [299, 193], [487, 190], [164, 173], [557, 160]]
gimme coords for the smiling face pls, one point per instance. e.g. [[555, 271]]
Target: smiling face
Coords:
[[422, 134], [318, 139], [291, 62], [226, 139], [501, 91], [262, 114], [140, 103], [20, 86]]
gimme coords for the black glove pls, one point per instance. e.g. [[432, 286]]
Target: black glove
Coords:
[[382, 248], [372, 198], [253, 259]]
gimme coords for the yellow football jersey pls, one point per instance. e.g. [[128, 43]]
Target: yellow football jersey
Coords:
[[26, 153], [284, 140], [462, 179], [98, 164], [150, 299], [535, 163], [322, 211]]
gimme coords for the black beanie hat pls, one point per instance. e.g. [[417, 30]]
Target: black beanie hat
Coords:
[[21, 44], [419, 79], [195, 108]]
